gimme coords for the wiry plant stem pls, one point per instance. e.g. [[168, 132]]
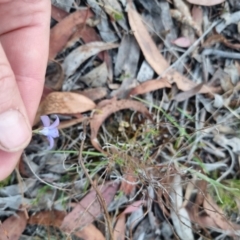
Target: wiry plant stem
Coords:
[[99, 196]]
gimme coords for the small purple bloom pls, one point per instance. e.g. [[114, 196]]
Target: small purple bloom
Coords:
[[49, 130]]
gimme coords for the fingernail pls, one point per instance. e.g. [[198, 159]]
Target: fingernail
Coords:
[[15, 132]]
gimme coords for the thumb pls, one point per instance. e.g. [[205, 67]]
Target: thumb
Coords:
[[15, 130]]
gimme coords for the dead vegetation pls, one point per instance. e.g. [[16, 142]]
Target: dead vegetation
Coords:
[[148, 97]]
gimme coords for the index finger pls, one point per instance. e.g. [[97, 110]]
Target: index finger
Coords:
[[24, 34]]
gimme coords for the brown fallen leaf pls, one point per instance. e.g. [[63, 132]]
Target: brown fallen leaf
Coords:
[[88, 209], [213, 39], [48, 218], [231, 45], [90, 232], [151, 85], [12, 227], [94, 93], [187, 94], [46, 91], [218, 38], [86, 33], [109, 108], [155, 58], [54, 218], [64, 103], [197, 15], [133, 207], [203, 220], [150, 50], [216, 213], [126, 187], [58, 14], [206, 2], [61, 33], [119, 230], [72, 122]]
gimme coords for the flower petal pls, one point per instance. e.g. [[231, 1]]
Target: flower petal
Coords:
[[44, 131], [55, 123], [53, 132], [51, 142], [45, 120]]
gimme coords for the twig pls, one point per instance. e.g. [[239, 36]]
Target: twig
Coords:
[[20, 184], [223, 54], [99, 196]]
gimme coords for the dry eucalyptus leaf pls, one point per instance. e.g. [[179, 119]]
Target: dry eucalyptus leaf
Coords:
[[123, 91], [94, 93], [47, 218], [206, 2], [155, 58], [89, 208], [120, 227], [86, 33], [197, 15], [150, 50], [61, 33], [64, 103], [13, 227], [82, 53], [55, 218], [126, 187], [217, 214], [90, 232], [151, 85], [187, 94], [72, 122]]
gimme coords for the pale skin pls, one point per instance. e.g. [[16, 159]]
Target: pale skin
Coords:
[[24, 42]]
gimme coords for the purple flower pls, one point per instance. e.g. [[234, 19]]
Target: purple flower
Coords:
[[49, 130]]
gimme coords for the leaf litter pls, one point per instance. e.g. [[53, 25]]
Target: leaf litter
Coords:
[[148, 97]]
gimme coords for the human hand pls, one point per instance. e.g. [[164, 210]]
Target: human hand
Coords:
[[24, 41]]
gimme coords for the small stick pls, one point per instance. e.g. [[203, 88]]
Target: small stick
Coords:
[[220, 53], [99, 196]]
